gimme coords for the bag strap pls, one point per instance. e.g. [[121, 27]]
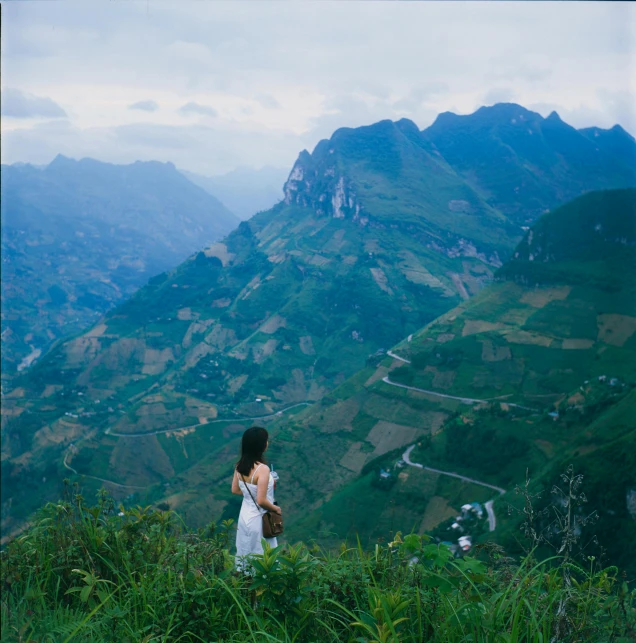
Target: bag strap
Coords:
[[248, 491]]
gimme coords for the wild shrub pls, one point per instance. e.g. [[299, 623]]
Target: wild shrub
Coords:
[[102, 573]]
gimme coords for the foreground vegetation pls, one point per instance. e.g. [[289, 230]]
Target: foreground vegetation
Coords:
[[104, 574]]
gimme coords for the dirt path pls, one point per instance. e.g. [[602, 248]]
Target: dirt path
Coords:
[[492, 521]]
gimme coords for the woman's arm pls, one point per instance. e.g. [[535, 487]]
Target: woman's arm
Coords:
[[261, 491], [235, 485]]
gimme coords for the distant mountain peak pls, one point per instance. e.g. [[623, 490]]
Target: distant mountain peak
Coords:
[[321, 180], [618, 130], [407, 127], [506, 109], [487, 115], [319, 183], [61, 161]]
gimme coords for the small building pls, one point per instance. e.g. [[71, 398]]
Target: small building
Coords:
[[465, 543], [385, 475], [554, 415], [477, 508]]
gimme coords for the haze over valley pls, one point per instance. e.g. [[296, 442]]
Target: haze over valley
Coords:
[[420, 280], [381, 232]]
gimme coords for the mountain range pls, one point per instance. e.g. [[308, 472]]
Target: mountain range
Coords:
[[534, 374], [382, 230], [79, 237], [245, 191]]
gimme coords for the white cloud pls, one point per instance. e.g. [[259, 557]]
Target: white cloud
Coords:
[[196, 108], [264, 79], [498, 95], [145, 105], [18, 104]]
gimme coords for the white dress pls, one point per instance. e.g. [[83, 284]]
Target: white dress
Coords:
[[250, 522]]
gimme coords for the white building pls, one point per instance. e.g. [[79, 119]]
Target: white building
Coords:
[[465, 543]]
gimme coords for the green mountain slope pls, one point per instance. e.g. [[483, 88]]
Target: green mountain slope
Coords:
[[376, 237], [615, 141], [79, 237], [289, 305], [524, 164], [555, 334]]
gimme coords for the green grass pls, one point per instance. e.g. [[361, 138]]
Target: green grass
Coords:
[[90, 574]]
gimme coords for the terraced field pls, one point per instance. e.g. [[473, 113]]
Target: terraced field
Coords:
[[299, 305]]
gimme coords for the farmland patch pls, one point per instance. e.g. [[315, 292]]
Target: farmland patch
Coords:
[[474, 326], [306, 345], [491, 352], [577, 344], [615, 329], [386, 436], [338, 417], [437, 510], [541, 296], [219, 250], [354, 458], [381, 280]]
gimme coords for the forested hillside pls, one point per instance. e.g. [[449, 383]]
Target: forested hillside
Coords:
[[79, 237], [378, 235]]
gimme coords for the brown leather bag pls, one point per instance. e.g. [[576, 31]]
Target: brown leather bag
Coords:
[[272, 522]]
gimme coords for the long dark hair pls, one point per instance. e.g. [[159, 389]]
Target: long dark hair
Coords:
[[253, 446]]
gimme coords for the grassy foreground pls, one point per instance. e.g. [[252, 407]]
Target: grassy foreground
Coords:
[[100, 573]]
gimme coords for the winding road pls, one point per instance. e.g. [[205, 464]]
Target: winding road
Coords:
[[492, 521], [116, 484], [394, 356], [464, 400], [202, 424], [192, 426]]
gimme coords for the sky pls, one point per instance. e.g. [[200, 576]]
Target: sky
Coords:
[[212, 86]]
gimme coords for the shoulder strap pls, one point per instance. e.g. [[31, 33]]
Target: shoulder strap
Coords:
[[255, 470], [248, 491]]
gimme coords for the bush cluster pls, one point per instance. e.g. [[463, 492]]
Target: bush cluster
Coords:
[[102, 573]]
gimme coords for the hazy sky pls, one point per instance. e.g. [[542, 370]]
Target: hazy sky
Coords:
[[215, 85]]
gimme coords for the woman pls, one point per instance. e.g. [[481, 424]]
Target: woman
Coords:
[[253, 480]]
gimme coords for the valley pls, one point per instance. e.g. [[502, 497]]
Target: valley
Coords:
[[391, 301], [79, 237], [360, 276]]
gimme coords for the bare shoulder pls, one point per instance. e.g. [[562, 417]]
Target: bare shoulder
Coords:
[[262, 473]]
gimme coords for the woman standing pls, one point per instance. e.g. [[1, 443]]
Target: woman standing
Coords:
[[253, 480]]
